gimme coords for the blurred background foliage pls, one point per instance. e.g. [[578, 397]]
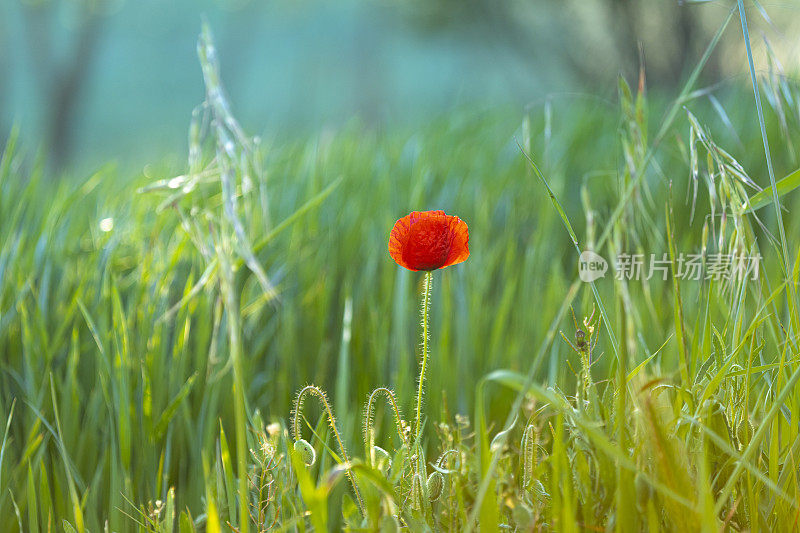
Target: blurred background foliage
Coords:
[[93, 80], [110, 331]]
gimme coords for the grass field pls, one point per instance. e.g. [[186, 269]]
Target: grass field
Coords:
[[155, 330]]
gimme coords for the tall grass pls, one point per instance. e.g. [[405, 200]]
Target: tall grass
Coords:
[[154, 332]]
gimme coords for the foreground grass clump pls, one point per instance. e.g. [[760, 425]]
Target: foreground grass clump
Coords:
[[154, 332]]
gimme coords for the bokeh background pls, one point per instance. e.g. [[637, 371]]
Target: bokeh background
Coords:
[[112, 322], [96, 80]]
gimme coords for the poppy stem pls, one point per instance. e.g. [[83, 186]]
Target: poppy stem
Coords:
[[426, 307]]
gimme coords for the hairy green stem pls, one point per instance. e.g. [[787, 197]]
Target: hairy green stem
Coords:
[[369, 431], [326, 405], [426, 305], [586, 376]]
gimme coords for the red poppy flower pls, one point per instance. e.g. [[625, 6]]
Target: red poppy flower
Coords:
[[427, 240]]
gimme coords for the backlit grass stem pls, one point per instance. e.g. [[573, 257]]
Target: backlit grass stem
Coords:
[[239, 402]]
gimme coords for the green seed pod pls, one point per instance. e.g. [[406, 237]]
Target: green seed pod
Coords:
[[306, 451], [528, 449], [435, 485], [417, 488], [383, 461], [744, 432]]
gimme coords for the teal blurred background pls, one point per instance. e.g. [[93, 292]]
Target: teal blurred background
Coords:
[[98, 80]]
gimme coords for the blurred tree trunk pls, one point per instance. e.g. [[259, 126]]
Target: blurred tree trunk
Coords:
[[625, 23], [62, 77], [694, 41], [626, 38], [67, 90], [684, 27]]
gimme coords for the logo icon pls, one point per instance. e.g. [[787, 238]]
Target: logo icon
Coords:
[[591, 266]]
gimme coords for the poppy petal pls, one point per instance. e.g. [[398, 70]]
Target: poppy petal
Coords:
[[428, 240], [459, 247], [398, 239]]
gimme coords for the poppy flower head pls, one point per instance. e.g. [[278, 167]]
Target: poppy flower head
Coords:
[[428, 240]]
